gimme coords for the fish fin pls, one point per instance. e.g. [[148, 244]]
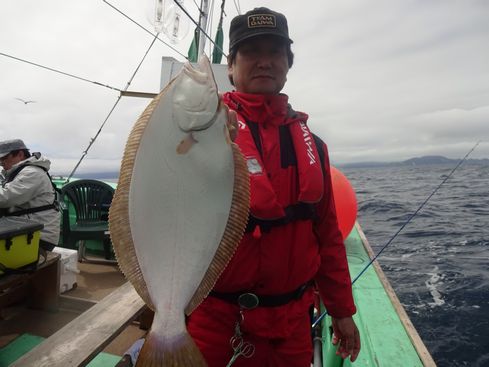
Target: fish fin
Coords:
[[235, 227], [119, 225], [181, 350], [227, 135], [186, 144]]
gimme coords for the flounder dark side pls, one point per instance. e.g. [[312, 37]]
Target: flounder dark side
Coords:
[[180, 209]]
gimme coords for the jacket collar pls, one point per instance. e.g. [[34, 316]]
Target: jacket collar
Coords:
[[260, 108], [34, 160]]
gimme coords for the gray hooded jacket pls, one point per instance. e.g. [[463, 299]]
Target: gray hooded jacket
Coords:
[[32, 188]]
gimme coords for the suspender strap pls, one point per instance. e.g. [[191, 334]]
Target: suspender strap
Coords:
[[301, 211], [32, 210], [54, 205]]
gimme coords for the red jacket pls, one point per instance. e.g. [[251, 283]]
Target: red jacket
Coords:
[[280, 259]]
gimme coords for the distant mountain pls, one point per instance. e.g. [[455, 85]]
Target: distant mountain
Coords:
[[428, 159], [418, 161], [365, 164]]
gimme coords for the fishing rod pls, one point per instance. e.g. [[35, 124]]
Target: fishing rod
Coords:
[[318, 320], [92, 140]]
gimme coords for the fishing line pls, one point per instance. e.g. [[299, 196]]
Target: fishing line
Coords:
[[198, 7], [318, 320], [147, 30], [60, 72], [199, 27], [237, 6], [92, 140]]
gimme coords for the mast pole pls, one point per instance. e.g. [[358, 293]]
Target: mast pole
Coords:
[[203, 24]]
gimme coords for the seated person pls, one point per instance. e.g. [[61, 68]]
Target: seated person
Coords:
[[27, 191]]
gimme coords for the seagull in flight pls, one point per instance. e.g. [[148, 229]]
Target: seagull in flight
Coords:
[[24, 101]]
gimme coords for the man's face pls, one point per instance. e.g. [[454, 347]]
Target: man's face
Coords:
[[10, 159], [260, 66]]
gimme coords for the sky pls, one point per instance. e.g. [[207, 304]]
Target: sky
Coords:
[[381, 80]]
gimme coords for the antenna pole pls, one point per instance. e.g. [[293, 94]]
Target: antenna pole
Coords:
[[203, 25]]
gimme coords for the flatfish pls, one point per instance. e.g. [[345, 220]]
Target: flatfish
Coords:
[[180, 209]]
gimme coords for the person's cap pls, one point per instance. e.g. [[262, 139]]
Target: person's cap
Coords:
[[8, 146], [258, 22]]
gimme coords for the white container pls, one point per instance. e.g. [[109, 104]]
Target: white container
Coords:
[[69, 268]]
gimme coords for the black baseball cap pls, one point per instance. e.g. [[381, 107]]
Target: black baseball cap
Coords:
[[258, 22]]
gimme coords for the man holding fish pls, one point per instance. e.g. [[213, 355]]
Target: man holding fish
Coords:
[[222, 298], [292, 240]]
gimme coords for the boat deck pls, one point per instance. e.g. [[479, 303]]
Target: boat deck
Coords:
[[388, 336], [94, 282]]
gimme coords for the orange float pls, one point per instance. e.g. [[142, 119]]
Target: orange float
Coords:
[[345, 201]]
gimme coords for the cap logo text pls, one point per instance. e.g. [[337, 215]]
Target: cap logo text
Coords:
[[262, 20]]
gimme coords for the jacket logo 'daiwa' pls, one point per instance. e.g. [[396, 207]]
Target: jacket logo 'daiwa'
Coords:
[[308, 140]]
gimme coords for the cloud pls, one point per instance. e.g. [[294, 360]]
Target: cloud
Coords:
[[380, 81], [453, 124]]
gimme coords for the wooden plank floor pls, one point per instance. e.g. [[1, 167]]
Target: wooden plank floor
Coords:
[[83, 338], [94, 282]]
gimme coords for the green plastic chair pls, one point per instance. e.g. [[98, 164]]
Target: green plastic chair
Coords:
[[91, 201]]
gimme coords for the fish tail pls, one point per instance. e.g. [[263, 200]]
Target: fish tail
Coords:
[[176, 351]]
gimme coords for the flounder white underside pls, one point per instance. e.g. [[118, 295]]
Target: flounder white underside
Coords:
[[169, 210], [178, 205]]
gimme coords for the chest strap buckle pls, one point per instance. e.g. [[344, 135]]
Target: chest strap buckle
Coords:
[[248, 301]]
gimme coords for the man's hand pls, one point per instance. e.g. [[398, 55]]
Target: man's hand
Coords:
[[346, 333], [232, 124], [232, 120]]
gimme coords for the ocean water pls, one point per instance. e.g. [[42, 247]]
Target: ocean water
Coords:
[[439, 264]]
